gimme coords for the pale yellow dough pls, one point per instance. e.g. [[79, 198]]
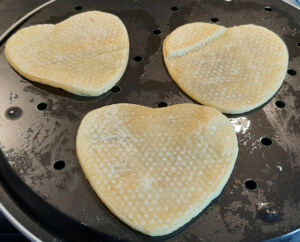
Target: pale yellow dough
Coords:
[[85, 54], [234, 70], [156, 169]]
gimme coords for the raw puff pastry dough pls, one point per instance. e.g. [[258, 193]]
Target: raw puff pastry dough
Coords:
[[85, 54], [156, 169], [234, 70]]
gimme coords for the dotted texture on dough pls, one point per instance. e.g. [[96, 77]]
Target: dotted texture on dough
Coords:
[[85, 54], [156, 169], [236, 72]]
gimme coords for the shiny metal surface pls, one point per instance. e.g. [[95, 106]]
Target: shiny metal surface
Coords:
[[39, 124], [294, 3], [18, 225], [22, 20]]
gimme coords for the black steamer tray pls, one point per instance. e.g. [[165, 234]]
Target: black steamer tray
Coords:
[[42, 185]]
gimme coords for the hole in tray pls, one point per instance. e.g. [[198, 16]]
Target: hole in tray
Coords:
[[41, 106], [250, 184], [298, 44], [162, 105], [157, 31], [116, 89], [59, 165], [280, 104], [137, 58], [292, 72], [174, 8], [268, 9], [78, 8], [266, 141], [214, 20], [13, 113]]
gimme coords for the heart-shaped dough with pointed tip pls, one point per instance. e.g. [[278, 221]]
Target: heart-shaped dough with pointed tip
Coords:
[[232, 69], [156, 169], [85, 54]]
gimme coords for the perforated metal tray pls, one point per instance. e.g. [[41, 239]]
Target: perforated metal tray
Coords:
[[42, 182]]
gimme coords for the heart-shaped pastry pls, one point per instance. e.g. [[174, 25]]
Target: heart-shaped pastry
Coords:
[[86, 54], [156, 169], [232, 69]]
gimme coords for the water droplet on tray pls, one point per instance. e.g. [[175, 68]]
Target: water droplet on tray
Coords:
[[267, 212], [13, 113]]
